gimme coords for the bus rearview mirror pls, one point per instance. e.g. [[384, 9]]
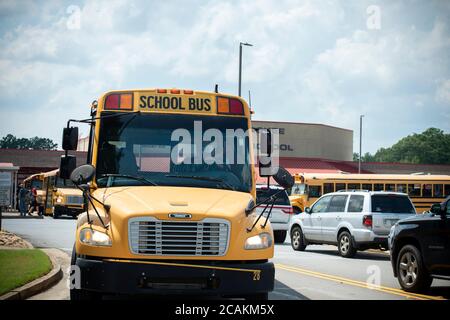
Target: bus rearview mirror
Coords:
[[70, 138], [83, 174], [66, 166]]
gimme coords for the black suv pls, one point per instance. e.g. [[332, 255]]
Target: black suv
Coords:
[[420, 248]]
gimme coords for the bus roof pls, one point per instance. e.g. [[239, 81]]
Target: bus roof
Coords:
[[39, 175], [51, 173], [352, 176]]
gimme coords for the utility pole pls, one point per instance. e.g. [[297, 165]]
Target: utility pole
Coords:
[[240, 63], [360, 143]]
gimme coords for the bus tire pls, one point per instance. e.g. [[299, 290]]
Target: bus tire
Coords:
[[81, 294], [280, 236], [297, 239]]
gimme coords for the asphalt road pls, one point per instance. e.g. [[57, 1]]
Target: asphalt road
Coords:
[[317, 273]]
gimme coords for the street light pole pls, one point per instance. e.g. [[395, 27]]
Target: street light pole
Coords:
[[240, 63], [360, 142]]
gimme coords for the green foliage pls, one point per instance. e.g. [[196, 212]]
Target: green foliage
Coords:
[[429, 147], [35, 143]]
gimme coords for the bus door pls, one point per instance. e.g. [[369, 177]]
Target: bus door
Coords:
[[49, 189]]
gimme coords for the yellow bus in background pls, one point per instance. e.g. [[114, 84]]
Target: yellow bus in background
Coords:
[[36, 181], [62, 197], [424, 190], [161, 221]]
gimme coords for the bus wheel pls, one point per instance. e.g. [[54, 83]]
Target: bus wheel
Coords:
[[258, 296], [279, 235]]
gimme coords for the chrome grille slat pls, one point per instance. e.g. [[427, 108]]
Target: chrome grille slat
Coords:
[[150, 236]]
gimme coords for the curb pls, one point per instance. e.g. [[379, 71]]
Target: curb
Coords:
[[36, 286]]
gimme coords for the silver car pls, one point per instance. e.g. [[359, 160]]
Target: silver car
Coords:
[[352, 220]]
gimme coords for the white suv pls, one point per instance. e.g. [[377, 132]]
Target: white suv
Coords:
[[352, 220], [281, 212]]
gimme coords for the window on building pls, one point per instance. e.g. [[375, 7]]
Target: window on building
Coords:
[[367, 186]]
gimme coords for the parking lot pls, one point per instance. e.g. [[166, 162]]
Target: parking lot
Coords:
[[317, 273]]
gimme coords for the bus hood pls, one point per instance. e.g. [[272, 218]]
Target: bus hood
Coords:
[[159, 202]]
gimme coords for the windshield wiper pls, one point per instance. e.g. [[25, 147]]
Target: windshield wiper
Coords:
[[127, 176], [226, 184]]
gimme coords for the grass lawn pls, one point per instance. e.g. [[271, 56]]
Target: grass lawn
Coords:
[[20, 266]]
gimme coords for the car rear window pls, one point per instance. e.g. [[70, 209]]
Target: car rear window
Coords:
[[263, 194], [391, 204]]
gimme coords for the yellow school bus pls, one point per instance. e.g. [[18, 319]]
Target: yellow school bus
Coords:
[[160, 220], [424, 190], [36, 181], [62, 197]]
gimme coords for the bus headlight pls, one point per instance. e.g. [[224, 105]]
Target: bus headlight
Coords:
[[59, 199], [260, 241], [94, 237]]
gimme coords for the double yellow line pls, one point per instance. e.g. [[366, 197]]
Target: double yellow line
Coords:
[[357, 283]]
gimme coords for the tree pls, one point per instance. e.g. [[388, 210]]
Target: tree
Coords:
[[429, 147], [36, 143]]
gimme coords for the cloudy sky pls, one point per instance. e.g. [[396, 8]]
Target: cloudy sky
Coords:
[[312, 61]]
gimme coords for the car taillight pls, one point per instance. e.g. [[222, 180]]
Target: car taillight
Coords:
[[119, 101], [367, 221], [288, 211], [227, 105]]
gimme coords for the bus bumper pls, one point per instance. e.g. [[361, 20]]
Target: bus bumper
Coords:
[[134, 277]]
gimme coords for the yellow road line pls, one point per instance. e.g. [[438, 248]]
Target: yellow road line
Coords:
[[358, 283]]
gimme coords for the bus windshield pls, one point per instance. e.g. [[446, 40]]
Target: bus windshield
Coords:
[[298, 188], [64, 183], [36, 184], [170, 150]]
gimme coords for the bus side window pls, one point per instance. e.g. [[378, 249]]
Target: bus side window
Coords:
[[390, 187], [401, 188], [328, 187], [414, 190], [315, 191], [354, 186], [367, 186], [426, 190], [446, 190], [378, 187], [340, 186], [438, 190]]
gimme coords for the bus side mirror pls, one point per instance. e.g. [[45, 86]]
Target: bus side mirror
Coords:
[[83, 174], [66, 166], [284, 178], [436, 208], [70, 138], [265, 153]]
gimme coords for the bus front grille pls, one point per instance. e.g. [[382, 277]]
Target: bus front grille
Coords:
[[76, 200], [150, 236]]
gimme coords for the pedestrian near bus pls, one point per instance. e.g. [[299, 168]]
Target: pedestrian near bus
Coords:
[[22, 200], [34, 204]]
